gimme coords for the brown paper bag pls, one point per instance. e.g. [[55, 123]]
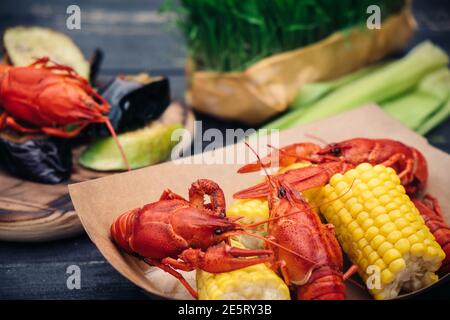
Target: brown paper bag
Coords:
[[98, 202], [267, 87]]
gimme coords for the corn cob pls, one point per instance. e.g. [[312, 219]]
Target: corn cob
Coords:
[[256, 282], [379, 228], [251, 211]]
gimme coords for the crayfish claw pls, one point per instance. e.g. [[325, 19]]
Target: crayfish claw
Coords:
[[224, 258], [238, 252], [203, 187], [174, 273]]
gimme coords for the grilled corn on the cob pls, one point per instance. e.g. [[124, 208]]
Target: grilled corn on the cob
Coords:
[[256, 282], [381, 230]]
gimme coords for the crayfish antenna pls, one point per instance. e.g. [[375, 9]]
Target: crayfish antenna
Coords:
[[114, 136], [253, 225], [256, 224], [317, 138], [281, 151], [279, 246], [261, 164]]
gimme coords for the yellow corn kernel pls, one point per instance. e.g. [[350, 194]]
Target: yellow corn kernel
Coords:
[[431, 252], [379, 191], [389, 184], [381, 220], [335, 180], [394, 236], [337, 206], [385, 199], [344, 216], [367, 251], [361, 216], [334, 218], [367, 176], [363, 264], [377, 241], [352, 226], [341, 187], [371, 203], [407, 231], [403, 245], [395, 214], [384, 248], [371, 233], [380, 264], [430, 278], [414, 239], [401, 223], [377, 211], [356, 210], [386, 276], [391, 255], [391, 206], [387, 229], [397, 265], [362, 243], [358, 187], [373, 257], [357, 234], [373, 184], [367, 224], [417, 249]]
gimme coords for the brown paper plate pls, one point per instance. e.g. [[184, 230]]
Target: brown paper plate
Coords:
[[40, 212], [99, 201]]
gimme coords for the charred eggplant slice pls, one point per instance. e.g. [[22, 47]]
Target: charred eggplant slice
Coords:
[[135, 101], [39, 159]]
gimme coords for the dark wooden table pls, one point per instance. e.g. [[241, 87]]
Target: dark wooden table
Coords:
[[134, 38]]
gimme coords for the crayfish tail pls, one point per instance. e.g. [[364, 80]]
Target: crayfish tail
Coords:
[[430, 210], [122, 229], [324, 284]]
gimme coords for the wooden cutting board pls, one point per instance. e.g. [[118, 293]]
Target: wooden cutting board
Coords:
[[32, 211]]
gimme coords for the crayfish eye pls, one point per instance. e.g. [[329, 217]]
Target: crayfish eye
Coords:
[[218, 231], [222, 214], [336, 151], [281, 193]]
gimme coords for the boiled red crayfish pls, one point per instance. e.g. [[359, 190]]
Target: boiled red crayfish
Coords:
[[408, 162], [50, 98], [174, 233], [295, 225], [317, 271], [431, 212]]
